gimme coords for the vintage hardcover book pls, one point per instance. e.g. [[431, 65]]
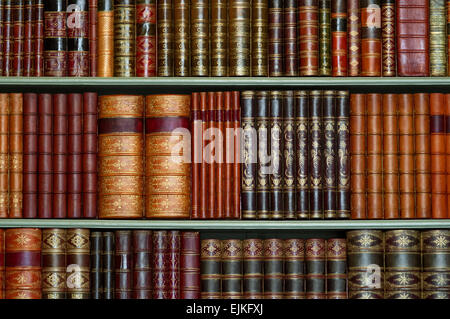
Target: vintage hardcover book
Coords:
[[108, 265], [120, 152], [60, 155], [343, 210], [23, 263], [1, 38], [77, 38], [229, 155], [391, 156], [388, 37], [2, 264], [275, 141], [336, 268], [78, 263], [165, 38], [18, 37], [273, 268], [124, 38], [220, 160], [210, 268], [260, 25], [263, 159], [89, 187], [308, 37], [448, 37], [167, 173], [354, 38], [123, 265], [339, 37], [96, 265], [146, 38], [142, 265], [447, 147], [160, 265], [365, 250], [325, 37], [200, 38], [54, 265], [316, 158], [236, 169], [174, 263], [290, 52], [93, 29], [219, 38], [294, 269], [370, 15], [438, 31], [39, 38], [8, 37], [55, 38], [438, 156], [288, 156], [403, 278], [239, 40], [315, 268], [30, 154], [232, 264], [374, 156], [302, 153], [181, 38], [329, 155], [211, 162], [105, 57], [253, 269], [45, 158], [29, 37], [203, 164], [196, 153], [422, 156], [15, 154], [190, 265], [4, 156], [412, 37]]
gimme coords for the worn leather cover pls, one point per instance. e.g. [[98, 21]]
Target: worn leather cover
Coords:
[[8, 37], [354, 38], [263, 159], [438, 31], [30, 154], [4, 157], [18, 37], [329, 155], [388, 37], [315, 270], [96, 265], [1, 38], [181, 38], [39, 38], [288, 155], [142, 262], [316, 158], [93, 29], [210, 269], [343, 210], [276, 153], [232, 264], [196, 154], [54, 265], [219, 40], [2, 264], [447, 146], [308, 18], [260, 29], [236, 169], [200, 37], [273, 268], [276, 48], [336, 268], [290, 38], [108, 269], [370, 14], [75, 155], [294, 268], [15, 154], [302, 153], [105, 58], [161, 272], [78, 263], [325, 65], [29, 38], [123, 264], [124, 38], [211, 163], [78, 38], [146, 38], [239, 37], [190, 265], [339, 37], [55, 38], [165, 38], [253, 270], [174, 238]]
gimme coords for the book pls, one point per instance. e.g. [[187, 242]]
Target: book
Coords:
[[259, 38], [181, 38], [289, 148], [146, 62], [275, 140], [196, 154], [447, 148], [315, 155], [190, 265], [232, 268], [336, 268], [302, 153], [236, 169], [219, 37], [18, 36], [315, 268], [339, 37], [174, 239], [96, 265], [108, 264], [105, 41], [124, 44], [203, 165], [54, 263], [219, 158], [161, 273], [211, 164], [39, 31], [276, 38], [371, 46], [290, 38], [253, 269], [200, 38], [165, 38], [15, 154], [1, 38], [263, 151], [4, 155], [75, 155], [55, 35], [388, 37], [239, 40], [294, 268], [78, 261], [45, 157], [142, 265], [92, 31], [308, 37], [343, 209], [325, 64], [77, 38], [273, 268], [2, 264], [8, 37], [210, 269], [123, 264], [354, 37], [438, 30], [329, 155]]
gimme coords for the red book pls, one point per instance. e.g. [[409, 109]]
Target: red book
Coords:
[[203, 166], [174, 263], [8, 37], [77, 38], [93, 9], [220, 164], [196, 129], [89, 155], [190, 265], [2, 264], [45, 182], [1, 37], [75, 162], [18, 34], [39, 38], [339, 37], [28, 45], [160, 265], [146, 38], [236, 109], [59, 155], [229, 157], [211, 163]]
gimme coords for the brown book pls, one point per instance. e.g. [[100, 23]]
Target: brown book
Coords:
[[173, 263], [315, 260], [1, 40], [18, 37], [273, 268], [55, 35], [211, 164], [78, 263], [294, 269], [181, 38], [75, 156], [124, 265], [290, 38], [236, 169], [2, 264], [93, 28], [142, 264], [388, 37], [336, 268], [232, 269], [447, 146], [105, 58], [239, 43], [259, 37], [15, 154], [8, 37], [165, 38], [39, 38], [219, 156], [210, 269], [54, 263], [45, 159], [354, 38], [199, 38], [370, 13], [77, 38], [253, 269], [29, 38], [196, 153], [190, 265], [203, 166], [124, 38], [146, 62], [4, 157], [219, 38], [276, 47], [308, 35]]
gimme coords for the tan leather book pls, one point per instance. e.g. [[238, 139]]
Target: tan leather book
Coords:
[[4, 146], [15, 154]]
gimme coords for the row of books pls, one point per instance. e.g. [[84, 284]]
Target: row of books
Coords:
[[144, 38]]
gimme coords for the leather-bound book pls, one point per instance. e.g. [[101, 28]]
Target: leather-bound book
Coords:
[[388, 37], [55, 38], [78, 263], [229, 156], [15, 154], [23, 263], [39, 38], [146, 38], [438, 156], [174, 263], [200, 38], [236, 169], [232, 269], [308, 37], [329, 155], [120, 152], [239, 40], [1, 39], [438, 38], [276, 153], [447, 147], [403, 278], [250, 155], [365, 251], [374, 156], [219, 37], [260, 26], [354, 37], [336, 268], [30, 154], [203, 164], [325, 65], [96, 265], [29, 38], [124, 38], [181, 38], [2, 264], [412, 33], [422, 156], [165, 38], [343, 210], [108, 269], [60, 150], [339, 37], [290, 38], [4, 157], [263, 159], [253, 269], [391, 156], [358, 149], [370, 15], [196, 153], [142, 262], [8, 37], [167, 174], [93, 29], [435, 264], [294, 269], [54, 263], [316, 158], [273, 268], [124, 265], [77, 38], [302, 153], [210, 158], [210, 269], [315, 270], [18, 37], [220, 160], [89, 187], [161, 280], [190, 265], [105, 57], [289, 160], [45, 158]]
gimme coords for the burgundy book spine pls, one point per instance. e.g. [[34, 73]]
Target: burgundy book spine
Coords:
[[210, 163], [28, 44], [89, 155], [39, 38], [55, 35], [59, 155], [190, 265], [174, 238], [8, 37], [74, 161], [2, 264], [146, 38], [18, 37], [1, 37], [77, 38], [236, 117], [124, 265], [93, 9], [142, 261], [160, 265]]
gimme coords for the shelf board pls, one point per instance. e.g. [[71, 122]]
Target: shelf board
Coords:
[[228, 225]]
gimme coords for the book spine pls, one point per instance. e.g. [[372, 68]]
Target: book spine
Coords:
[[120, 152], [1, 37], [276, 156], [18, 37], [15, 157], [325, 37], [219, 157], [239, 41], [146, 37], [124, 38], [308, 11], [294, 269], [78, 261], [447, 147], [196, 154], [260, 25], [263, 157], [142, 271], [302, 157], [54, 263], [55, 38], [174, 239], [315, 259], [374, 156], [276, 53], [203, 164], [253, 269], [438, 32], [336, 268], [329, 155], [219, 38], [288, 156], [8, 37], [60, 139], [167, 182], [108, 265], [93, 29], [4, 156], [354, 38], [23, 263], [29, 38], [45, 160], [391, 156], [39, 38], [343, 209], [89, 167], [124, 265], [199, 38], [105, 58], [422, 154], [190, 265], [160, 265], [230, 154], [210, 160], [96, 265], [165, 38], [2, 264], [316, 156], [388, 37], [448, 37], [290, 38], [273, 268], [210, 269], [232, 269], [236, 187], [30, 154], [370, 37], [339, 37], [181, 38], [77, 38]]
